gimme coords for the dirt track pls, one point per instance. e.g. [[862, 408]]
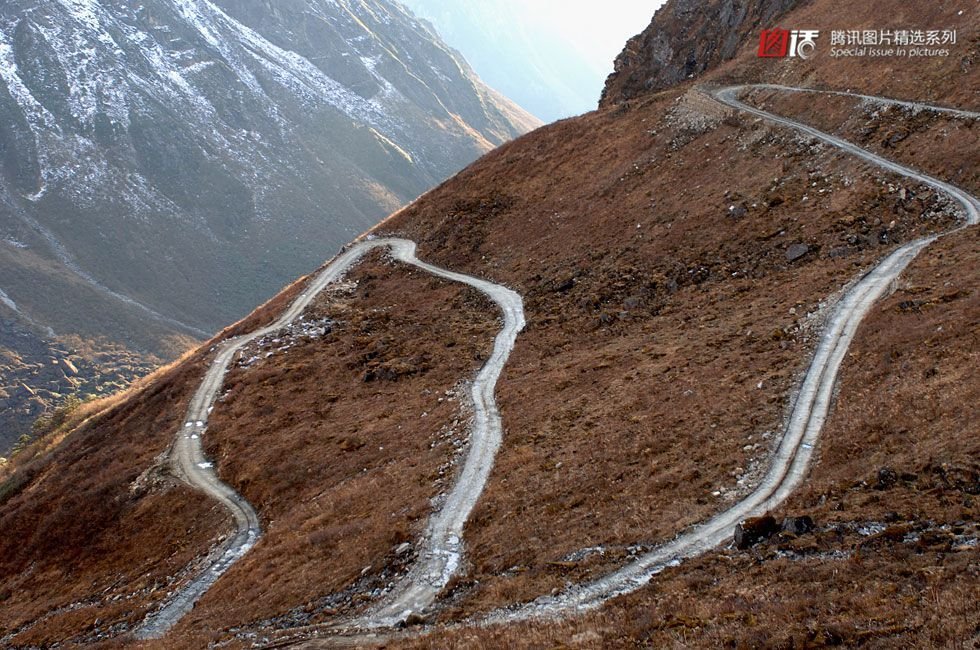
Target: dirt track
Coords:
[[789, 465], [441, 549]]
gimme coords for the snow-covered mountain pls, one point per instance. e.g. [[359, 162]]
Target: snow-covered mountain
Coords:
[[167, 164]]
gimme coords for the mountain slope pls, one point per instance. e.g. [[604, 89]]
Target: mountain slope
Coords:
[[676, 261], [170, 164]]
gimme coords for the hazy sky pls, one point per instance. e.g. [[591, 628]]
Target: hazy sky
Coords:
[[550, 56], [598, 28]]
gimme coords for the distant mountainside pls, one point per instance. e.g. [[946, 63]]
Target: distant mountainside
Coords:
[[166, 165], [541, 72]]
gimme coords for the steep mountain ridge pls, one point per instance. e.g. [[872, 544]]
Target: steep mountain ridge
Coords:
[[182, 159], [676, 259], [686, 39]]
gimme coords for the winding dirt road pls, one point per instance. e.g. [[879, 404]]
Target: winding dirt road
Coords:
[[442, 547], [789, 465], [886, 101]]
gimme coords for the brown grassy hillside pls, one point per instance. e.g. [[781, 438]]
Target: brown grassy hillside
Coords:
[[657, 245]]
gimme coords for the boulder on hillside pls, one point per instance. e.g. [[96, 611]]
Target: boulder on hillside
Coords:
[[754, 530], [797, 525], [796, 251], [69, 368]]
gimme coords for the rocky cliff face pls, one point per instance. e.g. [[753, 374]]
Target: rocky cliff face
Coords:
[[686, 38], [165, 165]]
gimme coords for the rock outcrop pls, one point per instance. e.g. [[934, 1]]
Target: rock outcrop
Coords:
[[685, 39]]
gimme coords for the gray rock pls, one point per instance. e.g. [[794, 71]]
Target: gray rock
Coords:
[[685, 39], [754, 530], [403, 549], [887, 478], [633, 302], [797, 525], [70, 369], [796, 251]]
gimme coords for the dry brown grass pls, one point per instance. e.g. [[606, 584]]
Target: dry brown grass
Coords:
[[652, 341], [630, 398], [907, 403], [83, 525], [944, 145]]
